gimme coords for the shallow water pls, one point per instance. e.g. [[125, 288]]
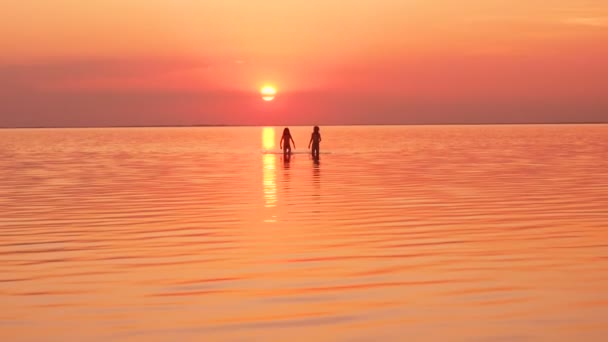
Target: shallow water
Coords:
[[398, 233]]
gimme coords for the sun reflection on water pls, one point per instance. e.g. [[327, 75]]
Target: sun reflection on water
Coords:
[[270, 184], [268, 142], [269, 174]]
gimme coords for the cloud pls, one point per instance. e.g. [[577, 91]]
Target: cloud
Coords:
[[116, 74], [588, 21]]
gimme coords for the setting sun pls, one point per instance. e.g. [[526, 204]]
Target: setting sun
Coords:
[[268, 92]]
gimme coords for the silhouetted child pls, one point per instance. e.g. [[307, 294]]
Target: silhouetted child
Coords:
[[315, 139], [285, 139]]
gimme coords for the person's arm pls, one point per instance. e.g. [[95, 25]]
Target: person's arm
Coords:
[[294, 143], [319, 137], [310, 142], [281, 143]]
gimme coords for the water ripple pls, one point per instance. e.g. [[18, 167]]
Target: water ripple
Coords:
[[469, 232]]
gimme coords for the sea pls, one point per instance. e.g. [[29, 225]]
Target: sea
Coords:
[[396, 233]]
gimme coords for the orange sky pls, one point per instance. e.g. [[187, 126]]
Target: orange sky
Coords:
[[151, 62]]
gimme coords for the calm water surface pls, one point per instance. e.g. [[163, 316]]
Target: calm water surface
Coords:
[[398, 233]]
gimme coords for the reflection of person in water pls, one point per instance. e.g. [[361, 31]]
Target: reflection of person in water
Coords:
[[316, 185], [315, 139], [286, 160], [285, 139]]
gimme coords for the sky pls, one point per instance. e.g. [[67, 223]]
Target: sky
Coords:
[[67, 63]]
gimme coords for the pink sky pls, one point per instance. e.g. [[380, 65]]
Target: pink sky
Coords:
[[153, 62]]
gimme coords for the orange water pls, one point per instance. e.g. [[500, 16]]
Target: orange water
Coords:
[[398, 233]]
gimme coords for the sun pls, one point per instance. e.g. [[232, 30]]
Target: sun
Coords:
[[268, 92]]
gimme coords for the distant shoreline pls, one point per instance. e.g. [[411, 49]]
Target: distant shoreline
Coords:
[[280, 125]]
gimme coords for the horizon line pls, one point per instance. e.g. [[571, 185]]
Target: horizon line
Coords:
[[329, 125]]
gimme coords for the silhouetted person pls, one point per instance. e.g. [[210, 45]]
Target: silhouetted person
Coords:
[[284, 144], [315, 140]]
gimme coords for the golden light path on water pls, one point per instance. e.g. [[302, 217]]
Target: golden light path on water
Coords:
[[270, 185]]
